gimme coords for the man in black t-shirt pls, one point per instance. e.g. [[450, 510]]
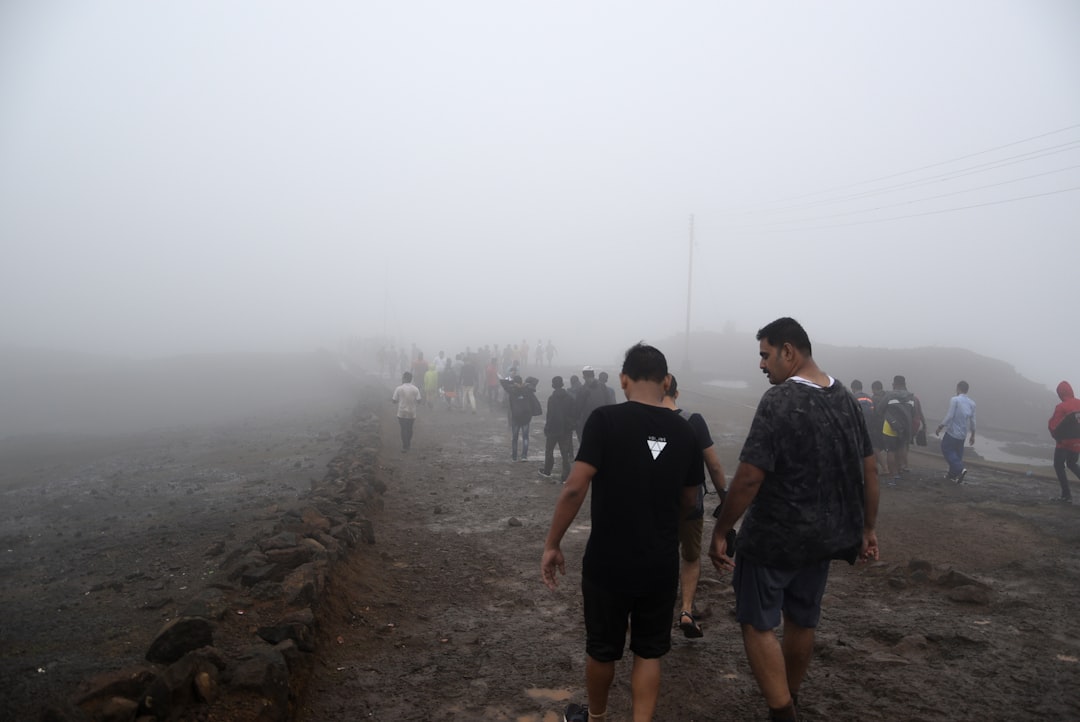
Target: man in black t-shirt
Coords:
[[645, 467], [808, 483]]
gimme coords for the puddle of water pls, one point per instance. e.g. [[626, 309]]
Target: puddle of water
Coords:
[[992, 450]]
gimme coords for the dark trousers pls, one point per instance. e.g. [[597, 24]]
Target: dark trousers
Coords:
[[953, 451], [566, 451], [521, 428], [1065, 458], [406, 432]]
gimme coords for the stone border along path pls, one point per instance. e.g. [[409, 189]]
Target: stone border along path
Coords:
[[207, 662]]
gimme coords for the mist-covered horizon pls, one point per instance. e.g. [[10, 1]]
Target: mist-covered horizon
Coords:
[[267, 176]]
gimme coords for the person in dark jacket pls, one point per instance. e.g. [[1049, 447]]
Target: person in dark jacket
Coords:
[[558, 430], [523, 403], [1064, 426], [591, 397], [609, 393]]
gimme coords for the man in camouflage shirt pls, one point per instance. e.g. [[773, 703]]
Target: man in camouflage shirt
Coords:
[[808, 483]]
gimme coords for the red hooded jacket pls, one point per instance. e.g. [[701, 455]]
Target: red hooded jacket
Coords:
[[1065, 423]]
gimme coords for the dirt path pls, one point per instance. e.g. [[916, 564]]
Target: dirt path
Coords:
[[967, 617]]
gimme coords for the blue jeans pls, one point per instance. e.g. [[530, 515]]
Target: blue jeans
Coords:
[[953, 451], [523, 429]]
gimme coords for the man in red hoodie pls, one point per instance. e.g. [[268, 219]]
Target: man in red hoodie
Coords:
[[1065, 428]]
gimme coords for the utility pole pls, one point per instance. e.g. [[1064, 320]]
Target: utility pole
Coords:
[[689, 285]]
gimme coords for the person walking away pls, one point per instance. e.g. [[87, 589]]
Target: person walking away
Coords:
[[419, 367], [558, 430], [807, 481], [448, 382], [1064, 426], [468, 385], [877, 395], [521, 413], [539, 354], [609, 393], [550, 351], [407, 398], [899, 414], [491, 380], [590, 397], [958, 422], [431, 386], [692, 525], [644, 466]]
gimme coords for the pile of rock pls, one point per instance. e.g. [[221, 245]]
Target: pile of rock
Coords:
[[242, 649]]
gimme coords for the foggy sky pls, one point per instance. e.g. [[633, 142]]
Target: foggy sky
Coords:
[[205, 176]]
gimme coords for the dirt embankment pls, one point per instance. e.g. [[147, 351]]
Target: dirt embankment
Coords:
[[176, 574]]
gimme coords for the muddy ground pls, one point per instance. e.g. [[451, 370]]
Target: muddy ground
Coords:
[[968, 616]]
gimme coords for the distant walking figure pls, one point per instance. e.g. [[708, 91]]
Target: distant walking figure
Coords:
[[957, 423], [407, 397], [1065, 428]]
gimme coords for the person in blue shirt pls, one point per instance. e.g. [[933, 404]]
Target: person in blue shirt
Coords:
[[957, 424]]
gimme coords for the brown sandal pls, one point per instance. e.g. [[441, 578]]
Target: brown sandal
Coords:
[[691, 629]]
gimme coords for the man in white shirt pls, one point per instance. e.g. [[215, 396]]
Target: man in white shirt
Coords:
[[407, 398], [957, 423]]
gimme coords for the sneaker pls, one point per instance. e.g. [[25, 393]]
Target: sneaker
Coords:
[[576, 713], [960, 479], [1062, 499], [543, 474]]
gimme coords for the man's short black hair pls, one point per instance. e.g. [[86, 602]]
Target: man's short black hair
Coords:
[[556, 382], [899, 382], [877, 386], [645, 363], [673, 386], [962, 387], [786, 330], [406, 377], [856, 385]]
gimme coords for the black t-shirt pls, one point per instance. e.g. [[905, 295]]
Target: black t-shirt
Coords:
[[810, 442], [644, 456], [704, 439]]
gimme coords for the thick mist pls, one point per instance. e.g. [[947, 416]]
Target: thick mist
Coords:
[[278, 177]]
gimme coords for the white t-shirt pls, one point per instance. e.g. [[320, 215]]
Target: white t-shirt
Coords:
[[407, 397]]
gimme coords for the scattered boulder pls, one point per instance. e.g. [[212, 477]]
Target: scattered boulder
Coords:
[[179, 637]]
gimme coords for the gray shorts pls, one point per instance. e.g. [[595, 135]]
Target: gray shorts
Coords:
[[761, 593]]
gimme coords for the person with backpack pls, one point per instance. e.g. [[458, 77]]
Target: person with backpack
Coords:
[[1064, 426], [902, 416], [521, 397]]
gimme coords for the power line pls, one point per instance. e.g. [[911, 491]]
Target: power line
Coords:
[[915, 200], [928, 213], [951, 175], [767, 209], [940, 163]]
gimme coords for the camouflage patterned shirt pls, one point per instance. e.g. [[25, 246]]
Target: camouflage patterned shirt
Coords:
[[810, 442]]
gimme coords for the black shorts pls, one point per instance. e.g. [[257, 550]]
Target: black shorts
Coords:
[[607, 615], [893, 443], [761, 593]]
